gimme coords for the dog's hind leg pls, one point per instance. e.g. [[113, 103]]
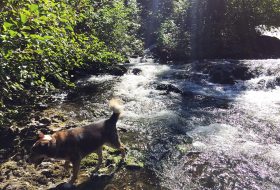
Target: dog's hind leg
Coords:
[[99, 153], [76, 169], [116, 143]]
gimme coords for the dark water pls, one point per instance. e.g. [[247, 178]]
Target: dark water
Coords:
[[201, 135]]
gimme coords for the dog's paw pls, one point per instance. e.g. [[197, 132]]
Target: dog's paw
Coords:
[[64, 186]]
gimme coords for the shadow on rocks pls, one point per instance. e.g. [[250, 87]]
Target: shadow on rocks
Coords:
[[97, 182], [64, 186]]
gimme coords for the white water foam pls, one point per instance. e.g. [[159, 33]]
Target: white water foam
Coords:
[[133, 88], [100, 78], [263, 105], [234, 142]]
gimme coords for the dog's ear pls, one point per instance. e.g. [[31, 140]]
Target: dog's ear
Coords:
[[41, 135]]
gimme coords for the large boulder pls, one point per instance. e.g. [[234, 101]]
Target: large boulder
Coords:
[[267, 47], [228, 73]]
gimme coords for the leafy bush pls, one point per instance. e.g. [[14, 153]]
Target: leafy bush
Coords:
[[42, 40]]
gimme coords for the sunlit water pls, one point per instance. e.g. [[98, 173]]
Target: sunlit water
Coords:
[[220, 137]]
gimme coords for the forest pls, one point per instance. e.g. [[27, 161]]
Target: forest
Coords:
[[197, 59], [209, 29]]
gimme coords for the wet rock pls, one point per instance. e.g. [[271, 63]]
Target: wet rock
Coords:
[[136, 71], [208, 182], [41, 106], [45, 121], [159, 151], [222, 77], [272, 84], [169, 88], [117, 70], [225, 72], [260, 84], [97, 69], [267, 46], [46, 172], [58, 118], [134, 56]]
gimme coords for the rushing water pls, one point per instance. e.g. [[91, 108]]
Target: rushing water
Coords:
[[209, 136]]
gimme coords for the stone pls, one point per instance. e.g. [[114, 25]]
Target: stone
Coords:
[[168, 88], [46, 172], [136, 71], [117, 70], [110, 187], [45, 121], [228, 73]]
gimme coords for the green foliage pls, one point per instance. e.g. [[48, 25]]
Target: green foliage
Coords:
[[42, 40], [165, 24], [183, 29], [112, 24], [168, 34]]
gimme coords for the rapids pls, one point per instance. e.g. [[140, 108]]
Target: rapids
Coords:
[[203, 135]]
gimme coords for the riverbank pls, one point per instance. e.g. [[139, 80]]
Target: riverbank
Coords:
[[22, 133]]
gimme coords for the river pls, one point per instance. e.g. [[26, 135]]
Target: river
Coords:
[[191, 133]]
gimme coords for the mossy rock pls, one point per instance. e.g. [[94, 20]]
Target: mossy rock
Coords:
[[133, 163], [183, 148], [110, 150], [89, 161], [112, 160]]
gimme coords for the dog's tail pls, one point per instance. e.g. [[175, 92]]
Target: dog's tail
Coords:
[[117, 108]]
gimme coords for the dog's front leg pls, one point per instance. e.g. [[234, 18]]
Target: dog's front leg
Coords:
[[66, 165], [99, 153], [76, 169]]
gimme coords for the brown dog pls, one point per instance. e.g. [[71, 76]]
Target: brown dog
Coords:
[[74, 144]]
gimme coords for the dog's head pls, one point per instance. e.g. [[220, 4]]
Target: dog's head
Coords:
[[40, 149]]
